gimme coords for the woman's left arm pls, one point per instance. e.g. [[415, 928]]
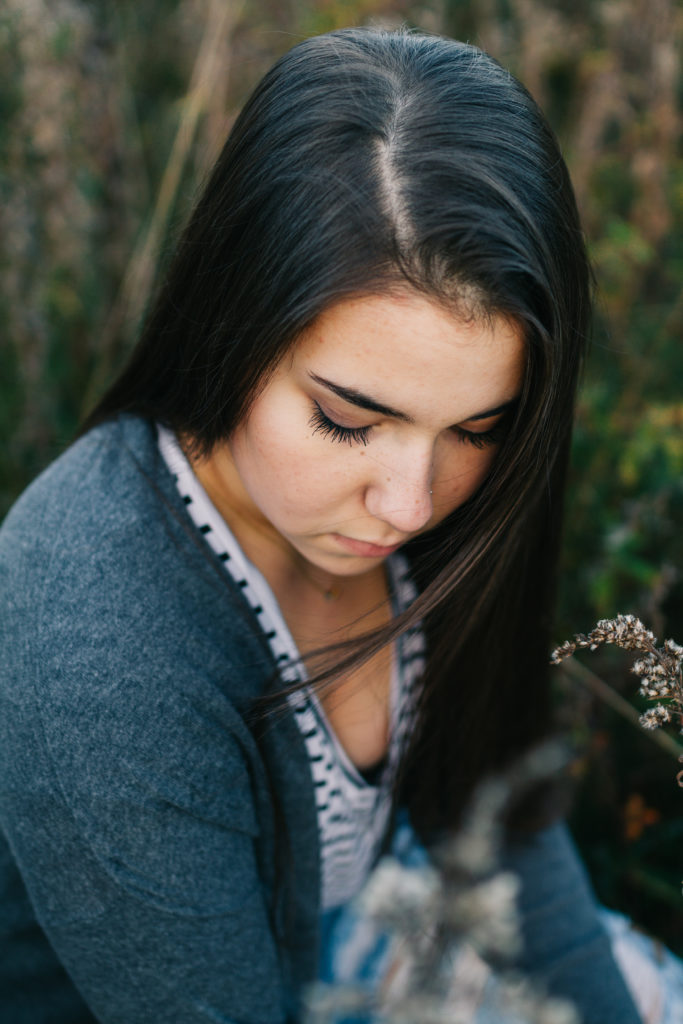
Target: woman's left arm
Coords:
[[566, 947]]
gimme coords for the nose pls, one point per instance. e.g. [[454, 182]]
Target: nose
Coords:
[[402, 496]]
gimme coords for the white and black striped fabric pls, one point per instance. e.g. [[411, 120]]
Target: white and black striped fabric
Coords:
[[352, 811]]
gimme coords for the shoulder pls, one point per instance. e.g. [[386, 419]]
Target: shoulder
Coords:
[[111, 486], [100, 563], [102, 485]]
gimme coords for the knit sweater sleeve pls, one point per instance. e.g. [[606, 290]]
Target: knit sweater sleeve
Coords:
[[566, 947], [129, 797]]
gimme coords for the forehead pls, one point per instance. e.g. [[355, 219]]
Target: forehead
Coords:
[[411, 354]]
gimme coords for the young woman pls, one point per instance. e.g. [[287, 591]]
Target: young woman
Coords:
[[296, 573]]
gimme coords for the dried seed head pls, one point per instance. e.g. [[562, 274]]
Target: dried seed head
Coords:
[[399, 897], [674, 649], [654, 717], [488, 914], [565, 650], [625, 631], [660, 670]]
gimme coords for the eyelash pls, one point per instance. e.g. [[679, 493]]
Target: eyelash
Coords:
[[497, 433], [322, 424]]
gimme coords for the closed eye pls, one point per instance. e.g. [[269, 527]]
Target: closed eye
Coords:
[[483, 438], [322, 424]]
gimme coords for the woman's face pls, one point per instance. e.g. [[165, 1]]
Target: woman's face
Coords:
[[383, 418]]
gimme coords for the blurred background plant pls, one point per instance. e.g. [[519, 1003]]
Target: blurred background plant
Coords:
[[111, 114]]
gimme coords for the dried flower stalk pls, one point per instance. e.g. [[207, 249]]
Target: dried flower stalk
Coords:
[[660, 670]]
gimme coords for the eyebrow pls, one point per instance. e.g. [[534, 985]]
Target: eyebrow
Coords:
[[356, 397]]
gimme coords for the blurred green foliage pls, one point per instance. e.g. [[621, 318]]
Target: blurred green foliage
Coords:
[[110, 115]]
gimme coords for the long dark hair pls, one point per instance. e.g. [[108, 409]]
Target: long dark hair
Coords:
[[367, 161]]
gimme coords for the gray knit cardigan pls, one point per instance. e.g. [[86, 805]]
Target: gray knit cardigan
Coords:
[[145, 814]]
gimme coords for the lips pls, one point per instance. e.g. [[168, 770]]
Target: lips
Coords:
[[364, 548]]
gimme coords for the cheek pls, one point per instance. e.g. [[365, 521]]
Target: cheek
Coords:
[[266, 461], [480, 466], [288, 472], [463, 471]]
